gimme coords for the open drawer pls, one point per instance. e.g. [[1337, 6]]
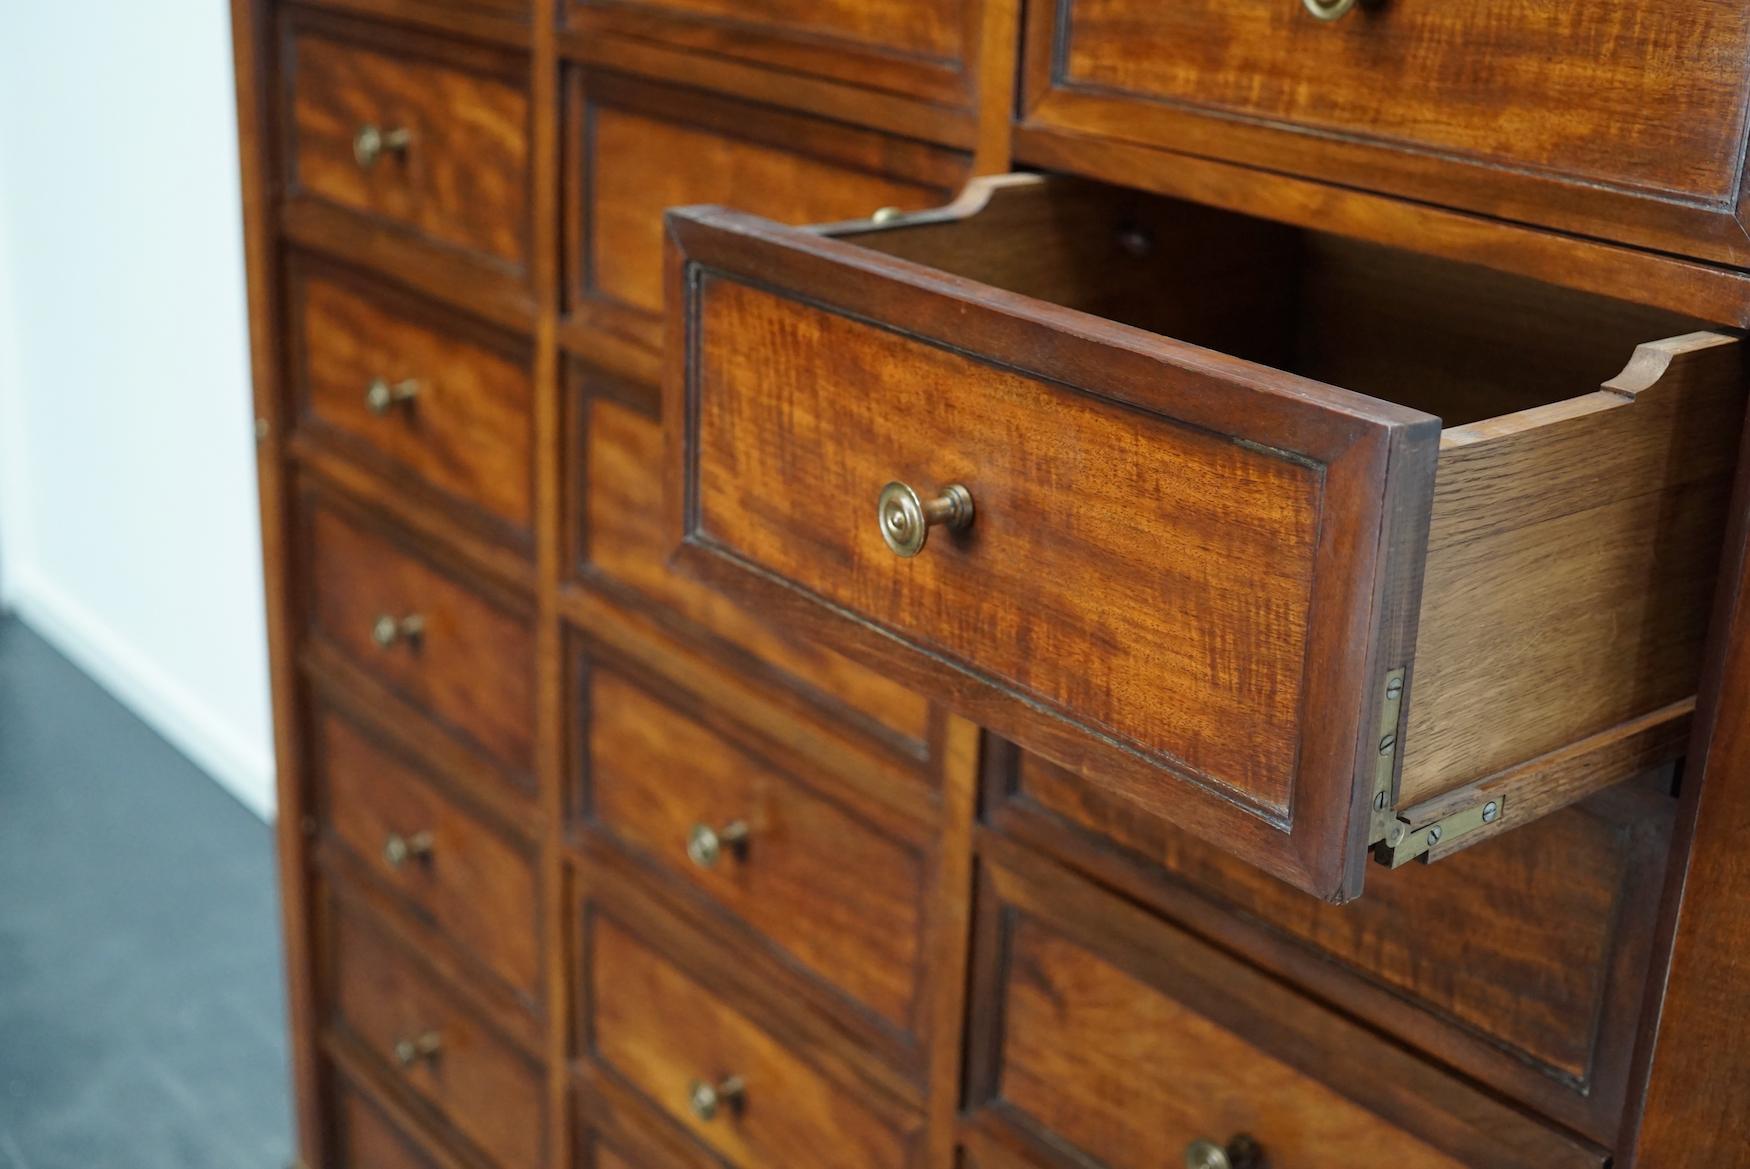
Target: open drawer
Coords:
[[1207, 544]]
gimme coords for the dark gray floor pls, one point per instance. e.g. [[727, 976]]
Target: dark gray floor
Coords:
[[141, 1001]]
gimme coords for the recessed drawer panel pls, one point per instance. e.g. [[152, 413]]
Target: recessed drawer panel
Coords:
[[415, 391], [364, 1138], [984, 449], [738, 1089], [466, 660], [1537, 955], [423, 136], [1592, 116], [1123, 1038], [830, 890], [422, 1037], [641, 147], [470, 881]]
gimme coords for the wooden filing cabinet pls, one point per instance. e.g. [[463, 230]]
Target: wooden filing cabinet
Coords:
[[1004, 584]]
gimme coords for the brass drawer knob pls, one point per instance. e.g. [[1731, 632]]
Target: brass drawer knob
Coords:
[[388, 630], [706, 845], [398, 849], [372, 142], [412, 1049], [1329, 9], [906, 519], [1242, 1152], [382, 395], [707, 1100]]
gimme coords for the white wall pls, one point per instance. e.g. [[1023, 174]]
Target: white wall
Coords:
[[128, 529]]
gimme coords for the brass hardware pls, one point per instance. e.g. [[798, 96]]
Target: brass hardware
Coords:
[[372, 142], [382, 396], [885, 215], [706, 845], [398, 849], [387, 630], [1242, 1152], [424, 1046], [1390, 710], [906, 519], [708, 1099], [1403, 844], [1329, 9]]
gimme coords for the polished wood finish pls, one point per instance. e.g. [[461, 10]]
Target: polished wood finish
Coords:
[[829, 890], [465, 434], [475, 1082], [621, 545], [1569, 244], [1070, 981], [797, 411], [462, 180], [639, 148], [475, 886], [663, 1031], [1526, 982], [468, 664], [1582, 117]]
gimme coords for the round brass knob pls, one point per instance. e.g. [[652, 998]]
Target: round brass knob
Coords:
[[1242, 1152], [387, 630], [372, 142], [1329, 9], [707, 1099], [906, 519], [398, 849], [382, 396], [414, 1048], [706, 845]]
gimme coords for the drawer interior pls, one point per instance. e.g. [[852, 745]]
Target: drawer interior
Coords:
[[1458, 341]]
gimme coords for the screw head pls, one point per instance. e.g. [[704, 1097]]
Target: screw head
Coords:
[[1434, 835], [1394, 689], [1379, 802], [1491, 812], [1388, 744]]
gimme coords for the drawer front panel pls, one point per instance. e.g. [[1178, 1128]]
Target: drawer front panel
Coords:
[[829, 890], [1170, 562], [1129, 1041], [469, 881], [664, 1032], [466, 661], [434, 148], [644, 147], [624, 543], [1588, 114], [1536, 932], [486, 1090], [366, 1139], [419, 392]]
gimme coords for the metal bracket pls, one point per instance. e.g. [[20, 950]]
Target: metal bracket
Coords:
[[1391, 707], [1403, 844]]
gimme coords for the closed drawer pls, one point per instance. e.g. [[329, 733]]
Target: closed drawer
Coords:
[[424, 136], [1625, 123], [1189, 566], [707, 1066], [473, 883], [364, 1137], [420, 1037], [639, 147], [465, 660], [1102, 1029], [418, 393], [831, 891], [1519, 961], [910, 53]]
